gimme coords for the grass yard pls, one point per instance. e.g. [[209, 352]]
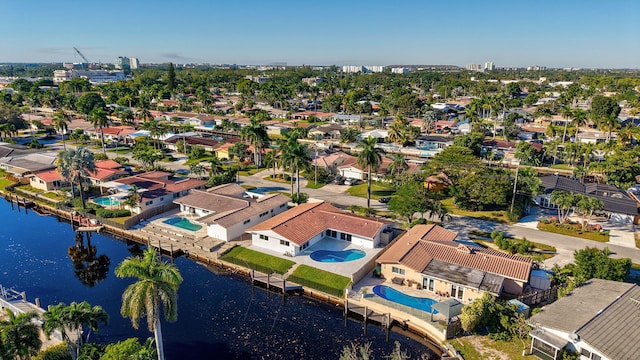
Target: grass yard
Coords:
[[29, 188], [53, 196], [249, 172], [256, 260], [495, 216], [324, 281], [378, 190], [121, 151], [313, 185], [482, 347], [4, 182], [589, 235]]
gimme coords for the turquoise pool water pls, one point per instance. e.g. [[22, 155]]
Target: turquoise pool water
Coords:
[[183, 224], [106, 201], [337, 256], [396, 296]]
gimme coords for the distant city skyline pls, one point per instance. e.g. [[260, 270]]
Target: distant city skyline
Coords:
[[554, 34]]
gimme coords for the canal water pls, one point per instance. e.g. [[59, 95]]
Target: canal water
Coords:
[[220, 316]]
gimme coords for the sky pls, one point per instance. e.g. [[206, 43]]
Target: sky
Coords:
[[552, 33]]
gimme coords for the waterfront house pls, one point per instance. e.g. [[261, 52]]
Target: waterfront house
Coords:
[[428, 256], [24, 164], [433, 142], [296, 229], [106, 170], [47, 180], [157, 188], [190, 139], [599, 320], [228, 210]]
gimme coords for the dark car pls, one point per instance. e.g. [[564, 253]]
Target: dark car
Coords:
[[384, 200]]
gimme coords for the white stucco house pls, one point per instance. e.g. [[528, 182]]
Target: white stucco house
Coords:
[[228, 210], [296, 229]]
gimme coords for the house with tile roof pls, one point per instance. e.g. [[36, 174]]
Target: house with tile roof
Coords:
[[106, 170], [304, 225], [599, 320], [427, 255], [228, 210], [47, 180], [157, 188]]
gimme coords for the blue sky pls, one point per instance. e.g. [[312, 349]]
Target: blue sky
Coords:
[[559, 33]]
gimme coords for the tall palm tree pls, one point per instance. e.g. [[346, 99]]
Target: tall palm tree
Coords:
[[98, 118], [256, 133], [157, 285], [579, 118], [398, 165], [75, 165], [566, 113], [74, 318], [215, 166], [61, 124], [294, 156], [19, 336], [369, 157]]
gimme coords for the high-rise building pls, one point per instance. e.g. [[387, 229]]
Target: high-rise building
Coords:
[[134, 63], [474, 67], [489, 66], [400, 70], [122, 62]]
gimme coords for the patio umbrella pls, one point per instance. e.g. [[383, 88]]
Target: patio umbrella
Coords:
[[448, 308]]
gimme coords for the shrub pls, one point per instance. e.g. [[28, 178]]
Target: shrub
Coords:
[[57, 352], [417, 222], [304, 197], [100, 156], [106, 213]]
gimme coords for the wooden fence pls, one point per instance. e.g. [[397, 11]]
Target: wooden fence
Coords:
[[539, 297]]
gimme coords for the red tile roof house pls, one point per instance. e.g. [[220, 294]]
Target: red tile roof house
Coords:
[[427, 255], [47, 180], [227, 210], [351, 169], [106, 170], [304, 225], [114, 133], [159, 188]]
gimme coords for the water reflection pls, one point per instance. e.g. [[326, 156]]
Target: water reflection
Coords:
[[88, 267]]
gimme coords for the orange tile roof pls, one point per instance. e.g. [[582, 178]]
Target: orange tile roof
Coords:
[[48, 175], [107, 164], [305, 221], [414, 252], [101, 174]]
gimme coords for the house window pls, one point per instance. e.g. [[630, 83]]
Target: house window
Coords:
[[428, 284], [457, 291], [344, 236], [149, 202], [247, 221], [586, 353], [281, 206], [264, 237], [397, 270], [284, 242], [596, 357], [332, 233]]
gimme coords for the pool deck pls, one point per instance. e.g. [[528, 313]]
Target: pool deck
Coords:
[[346, 268]]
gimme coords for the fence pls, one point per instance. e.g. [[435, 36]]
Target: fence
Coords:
[[539, 297]]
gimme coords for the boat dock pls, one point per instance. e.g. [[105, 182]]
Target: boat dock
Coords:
[[272, 282], [17, 302], [21, 202], [367, 315]]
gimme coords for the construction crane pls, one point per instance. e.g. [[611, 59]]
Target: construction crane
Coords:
[[83, 57]]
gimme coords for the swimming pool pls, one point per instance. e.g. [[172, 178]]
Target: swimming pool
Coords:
[[337, 256], [106, 201], [396, 296], [183, 224]]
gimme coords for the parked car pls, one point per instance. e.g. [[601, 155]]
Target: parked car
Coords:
[[384, 200]]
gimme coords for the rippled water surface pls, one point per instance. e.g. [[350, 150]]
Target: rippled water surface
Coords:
[[220, 316]]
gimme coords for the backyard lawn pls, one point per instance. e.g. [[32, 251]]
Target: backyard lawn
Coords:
[[378, 190], [324, 281], [4, 182], [482, 347], [496, 216], [256, 260]]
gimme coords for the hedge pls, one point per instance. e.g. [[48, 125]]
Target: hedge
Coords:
[[106, 213]]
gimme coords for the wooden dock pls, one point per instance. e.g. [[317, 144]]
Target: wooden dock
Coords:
[[96, 228], [273, 282], [367, 315]]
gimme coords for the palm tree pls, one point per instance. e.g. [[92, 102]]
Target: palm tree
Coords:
[[19, 336], [157, 285], [75, 165], [579, 118], [197, 169], [133, 198], [369, 157], [294, 156], [98, 118], [270, 160], [398, 165], [61, 124], [566, 113], [73, 318], [256, 134], [216, 166]]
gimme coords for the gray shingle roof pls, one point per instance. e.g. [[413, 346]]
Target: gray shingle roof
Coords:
[[464, 276], [615, 332]]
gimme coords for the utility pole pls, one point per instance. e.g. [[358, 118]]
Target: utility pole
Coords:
[[515, 185], [316, 165]]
